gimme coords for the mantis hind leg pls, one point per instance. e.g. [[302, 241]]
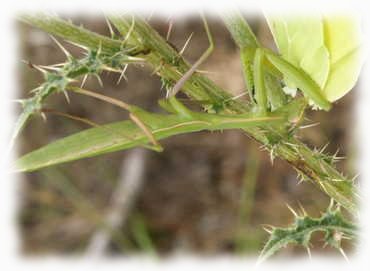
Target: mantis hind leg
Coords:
[[155, 144], [136, 119]]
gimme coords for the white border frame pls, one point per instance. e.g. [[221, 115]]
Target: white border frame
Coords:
[[10, 259]]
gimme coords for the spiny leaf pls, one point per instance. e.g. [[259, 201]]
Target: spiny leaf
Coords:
[[332, 223]]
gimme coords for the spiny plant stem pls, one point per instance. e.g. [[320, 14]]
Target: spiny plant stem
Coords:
[[57, 80], [66, 30], [170, 66]]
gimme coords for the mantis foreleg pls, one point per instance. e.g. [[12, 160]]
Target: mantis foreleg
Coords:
[[301, 79]]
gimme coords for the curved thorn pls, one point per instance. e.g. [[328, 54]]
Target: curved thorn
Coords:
[[129, 32], [49, 68], [186, 44], [324, 147], [84, 81], [267, 230], [170, 25], [37, 67], [66, 96], [122, 75], [150, 15], [302, 209], [292, 210], [43, 116], [98, 53], [99, 80], [309, 253], [309, 125], [109, 27], [344, 254], [331, 204], [64, 50]]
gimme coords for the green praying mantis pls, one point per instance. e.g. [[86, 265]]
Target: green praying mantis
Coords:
[[271, 110]]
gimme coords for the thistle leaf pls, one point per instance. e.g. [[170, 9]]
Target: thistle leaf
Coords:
[[332, 223]]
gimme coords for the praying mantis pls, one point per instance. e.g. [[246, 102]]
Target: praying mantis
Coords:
[[266, 68], [272, 112], [211, 121]]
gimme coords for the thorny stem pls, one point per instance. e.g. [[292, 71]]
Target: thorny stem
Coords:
[[170, 66], [79, 35], [303, 159]]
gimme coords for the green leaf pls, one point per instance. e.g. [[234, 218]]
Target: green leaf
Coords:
[[342, 38], [332, 223], [300, 41], [326, 48]]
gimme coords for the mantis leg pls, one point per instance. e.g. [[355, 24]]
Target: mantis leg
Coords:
[[247, 57], [133, 116], [179, 108], [259, 81], [156, 146], [69, 116], [193, 68], [301, 79]]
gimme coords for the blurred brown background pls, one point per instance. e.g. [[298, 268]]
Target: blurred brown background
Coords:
[[206, 193]]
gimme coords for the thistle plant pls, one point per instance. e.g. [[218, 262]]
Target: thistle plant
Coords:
[[271, 117]]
